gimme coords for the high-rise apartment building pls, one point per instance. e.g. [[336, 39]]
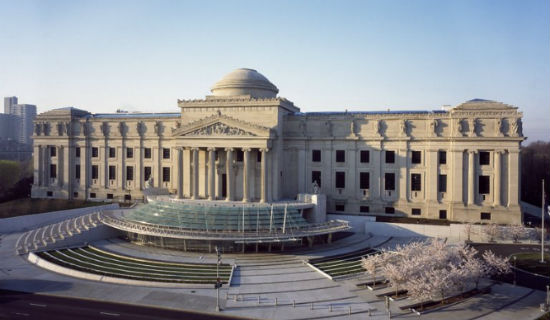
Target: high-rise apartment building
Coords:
[[26, 114], [9, 103]]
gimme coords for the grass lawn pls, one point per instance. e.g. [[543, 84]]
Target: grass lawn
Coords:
[[24, 206], [531, 262]]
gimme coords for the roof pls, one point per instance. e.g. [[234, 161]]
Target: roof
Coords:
[[136, 115]]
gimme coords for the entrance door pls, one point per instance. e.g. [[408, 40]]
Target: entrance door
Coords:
[[224, 185]]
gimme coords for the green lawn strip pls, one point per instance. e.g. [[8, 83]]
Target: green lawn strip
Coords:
[[341, 273], [180, 271], [65, 255], [50, 256], [358, 253], [154, 262], [196, 268], [531, 262], [345, 270], [350, 258], [339, 264], [336, 269]]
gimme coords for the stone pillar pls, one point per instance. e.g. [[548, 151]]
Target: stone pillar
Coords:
[[404, 188], [180, 173], [46, 166], [457, 175], [36, 158], [471, 177], [211, 173], [229, 173], [121, 175], [59, 154], [513, 177], [497, 175], [246, 156], [139, 165], [263, 178], [106, 164], [84, 164], [68, 170], [195, 191]]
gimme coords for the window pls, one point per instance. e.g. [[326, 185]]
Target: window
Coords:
[[77, 172], [53, 171], [416, 157], [240, 155], [390, 210], [442, 214], [49, 194], [129, 152], [340, 180], [112, 172], [485, 216], [364, 180], [340, 207], [316, 155], [130, 173], [166, 174], [127, 197], [484, 185], [165, 153], [364, 156], [109, 196], [147, 153], [390, 156], [146, 173], [389, 181], [92, 195], [112, 152], [484, 158], [53, 151], [258, 156], [442, 157], [416, 182], [75, 194], [364, 209], [340, 156], [95, 152], [442, 183], [416, 211], [316, 176], [77, 152], [95, 172]]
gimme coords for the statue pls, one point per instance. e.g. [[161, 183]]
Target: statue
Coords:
[[433, 127], [404, 127], [498, 128], [316, 189], [460, 126], [352, 128], [149, 183]]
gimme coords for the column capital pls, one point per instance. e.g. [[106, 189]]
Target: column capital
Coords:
[[246, 149], [500, 151], [229, 149], [211, 148], [264, 150], [472, 151]]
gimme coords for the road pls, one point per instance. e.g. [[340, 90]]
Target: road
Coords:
[[21, 305]]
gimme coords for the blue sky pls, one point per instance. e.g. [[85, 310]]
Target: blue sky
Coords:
[[323, 55]]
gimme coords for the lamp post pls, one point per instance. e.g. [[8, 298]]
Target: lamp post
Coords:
[[543, 233], [218, 281]]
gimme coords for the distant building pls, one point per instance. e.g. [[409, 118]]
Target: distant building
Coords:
[[26, 114], [9, 126], [9, 102], [16, 127]]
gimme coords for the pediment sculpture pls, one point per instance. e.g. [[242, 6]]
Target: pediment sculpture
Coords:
[[219, 129]]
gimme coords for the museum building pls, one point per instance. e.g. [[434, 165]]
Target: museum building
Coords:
[[244, 144]]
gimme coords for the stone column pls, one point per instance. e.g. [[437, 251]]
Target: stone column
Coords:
[[84, 164], [497, 175], [195, 191], [263, 178], [471, 177], [403, 161], [59, 154], [36, 158], [513, 177], [211, 173], [106, 164], [246, 155], [68, 170], [45, 166], [180, 173], [229, 173]]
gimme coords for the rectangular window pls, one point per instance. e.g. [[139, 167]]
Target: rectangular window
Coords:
[[416, 182], [364, 209], [53, 151], [240, 155], [340, 156], [390, 156], [485, 216], [258, 156], [109, 196], [92, 195], [442, 214], [442, 157], [53, 171], [49, 194], [316, 155], [364, 180], [77, 172], [129, 153], [75, 194], [127, 197], [484, 158], [364, 156], [95, 152], [112, 172], [416, 211], [95, 172], [484, 185], [146, 173], [130, 173], [389, 181], [316, 176], [340, 180], [416, 157], [77, 152], [147, 153], [442, 183], [165, 153], [390, 210], [340, 207], [166, 174], [112, 152]]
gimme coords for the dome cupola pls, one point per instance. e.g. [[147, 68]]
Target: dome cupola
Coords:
[[245, 81]]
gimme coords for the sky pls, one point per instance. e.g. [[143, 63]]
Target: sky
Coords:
[[322, 55]]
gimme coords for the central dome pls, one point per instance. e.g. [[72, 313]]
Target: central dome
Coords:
[[245, 82]]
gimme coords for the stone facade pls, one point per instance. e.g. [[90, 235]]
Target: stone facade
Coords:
[[245, 143]]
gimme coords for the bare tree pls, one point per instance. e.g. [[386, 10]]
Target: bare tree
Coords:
[[468, 231], [516, 232], [493, 231]]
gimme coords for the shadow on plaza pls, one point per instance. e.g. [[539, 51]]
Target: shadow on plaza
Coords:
[[35, 285]]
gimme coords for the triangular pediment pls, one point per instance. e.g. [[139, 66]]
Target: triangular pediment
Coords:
[[222, 126]]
